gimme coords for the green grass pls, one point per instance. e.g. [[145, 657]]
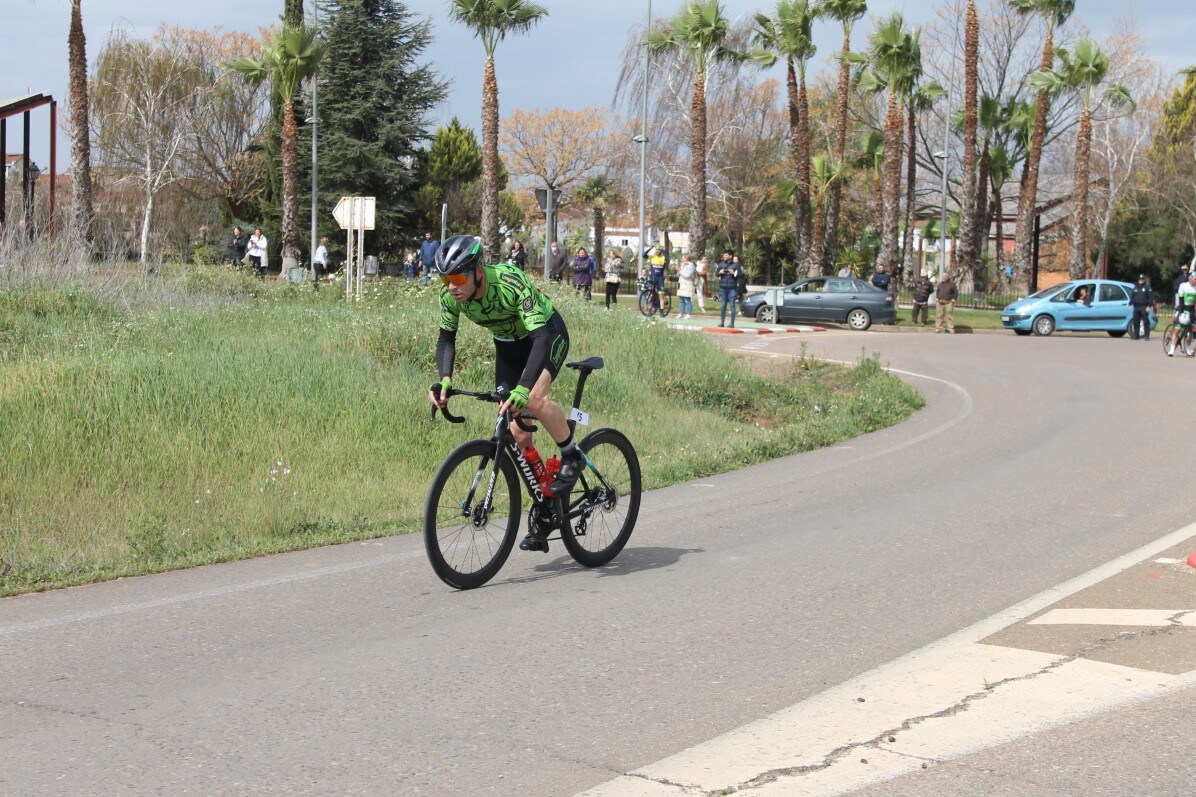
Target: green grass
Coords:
[[201, 417]]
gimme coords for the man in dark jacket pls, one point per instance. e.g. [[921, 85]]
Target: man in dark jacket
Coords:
[[922, 290], [728, 274], [881, 278], [1141, 299], [944, 297], [427, 257], [556, 262]]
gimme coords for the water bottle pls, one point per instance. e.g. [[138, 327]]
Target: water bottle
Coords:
[[550, 470], [533, 458]]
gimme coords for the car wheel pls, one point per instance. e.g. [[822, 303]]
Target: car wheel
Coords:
[[859, 320], [1044, 325], [1116, 333], [766, 314], [1022, 332]]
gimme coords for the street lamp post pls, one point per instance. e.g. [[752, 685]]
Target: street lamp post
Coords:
[[315, 277], [946, 145], [642, 138]]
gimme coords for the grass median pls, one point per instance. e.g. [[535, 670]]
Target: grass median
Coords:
[[198, 416]]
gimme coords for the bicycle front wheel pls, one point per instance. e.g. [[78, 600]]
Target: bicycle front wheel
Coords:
[[646, 307], [601, 511], [1167, 333], [666, 303], [472, 515], [1187, 343]]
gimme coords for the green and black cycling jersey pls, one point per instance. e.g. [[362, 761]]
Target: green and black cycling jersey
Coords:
[[512, 309]]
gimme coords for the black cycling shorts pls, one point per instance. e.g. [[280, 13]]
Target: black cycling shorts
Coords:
[[511, 356]]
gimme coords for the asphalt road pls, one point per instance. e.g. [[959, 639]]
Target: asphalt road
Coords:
[[353, 670]]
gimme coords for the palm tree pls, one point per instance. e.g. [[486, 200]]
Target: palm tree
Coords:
[[491, 21], [290, 57], [972, 207], [698, 31], [894, 56], [600, 193], [846, 12], [1081, 71], [1055, 13], [789, 35], [82, 207], [825, 176]]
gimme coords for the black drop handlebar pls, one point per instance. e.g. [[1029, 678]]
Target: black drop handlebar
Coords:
[[493, 396]]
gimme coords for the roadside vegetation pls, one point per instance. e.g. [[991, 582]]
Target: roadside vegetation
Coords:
[[197, 415]]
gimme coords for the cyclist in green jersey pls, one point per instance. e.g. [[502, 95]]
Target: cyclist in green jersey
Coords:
[[530, 343], [1185, 302]]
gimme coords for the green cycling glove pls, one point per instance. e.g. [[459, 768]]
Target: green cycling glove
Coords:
[[519, 397], [446, 385]]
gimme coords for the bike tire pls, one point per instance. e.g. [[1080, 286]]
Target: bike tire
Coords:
[[646, 308], [603, 506], [1187, 343], [468, 547], [1167, 333], [666, 303]]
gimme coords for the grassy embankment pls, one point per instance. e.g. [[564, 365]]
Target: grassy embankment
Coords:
[[199, 416]]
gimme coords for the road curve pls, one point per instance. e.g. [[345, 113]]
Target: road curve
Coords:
[[351, 669]]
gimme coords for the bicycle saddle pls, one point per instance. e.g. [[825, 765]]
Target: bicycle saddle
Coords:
[[587, 365]]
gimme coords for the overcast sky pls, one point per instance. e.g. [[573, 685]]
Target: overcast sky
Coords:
[[571, 59]]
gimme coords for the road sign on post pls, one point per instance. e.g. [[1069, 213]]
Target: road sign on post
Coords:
[[355, 215]]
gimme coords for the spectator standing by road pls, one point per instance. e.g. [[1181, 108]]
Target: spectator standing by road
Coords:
[[518, 256], [258, 244], [700, 272], [1178, 279], [556, 263], [427, 257], [847, 270], [583, 272], [238, 247], [945, 296], [613, 271], [741, 279], [685, 287], [881, 278], [922, 291], [1141, 299], [728, 287], [319, 261]]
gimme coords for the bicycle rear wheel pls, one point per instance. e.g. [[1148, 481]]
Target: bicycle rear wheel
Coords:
[[469, 528], [601, 511]]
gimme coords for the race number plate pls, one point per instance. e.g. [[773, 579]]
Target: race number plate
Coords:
[[581, 417]]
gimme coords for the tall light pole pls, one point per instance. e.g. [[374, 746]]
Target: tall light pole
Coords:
[[642, 138], [315, 167], [946, 144]]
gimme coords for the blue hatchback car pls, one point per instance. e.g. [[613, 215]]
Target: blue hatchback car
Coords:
[[1080, 306]]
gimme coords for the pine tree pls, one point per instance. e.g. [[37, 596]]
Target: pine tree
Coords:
[[374, 100]]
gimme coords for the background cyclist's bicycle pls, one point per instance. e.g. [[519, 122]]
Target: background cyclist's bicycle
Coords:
[[474, 505], [653, 300]]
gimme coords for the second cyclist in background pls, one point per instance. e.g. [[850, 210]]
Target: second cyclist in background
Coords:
[[1185, 302]]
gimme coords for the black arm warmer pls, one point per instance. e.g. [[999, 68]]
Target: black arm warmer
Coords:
[[446, 352], [538, 358]]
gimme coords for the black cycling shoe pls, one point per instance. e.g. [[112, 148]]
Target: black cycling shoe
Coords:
[[533, 543], [567, 476]]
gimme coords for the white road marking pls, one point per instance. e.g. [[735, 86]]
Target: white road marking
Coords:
[[187, 597], [1150, 617], [951, 698]]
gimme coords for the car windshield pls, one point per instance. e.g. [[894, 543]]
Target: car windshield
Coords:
[[1051, 291]]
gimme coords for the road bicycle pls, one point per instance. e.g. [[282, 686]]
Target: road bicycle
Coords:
[[474, 505], [1186, 343], [647, 306]]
